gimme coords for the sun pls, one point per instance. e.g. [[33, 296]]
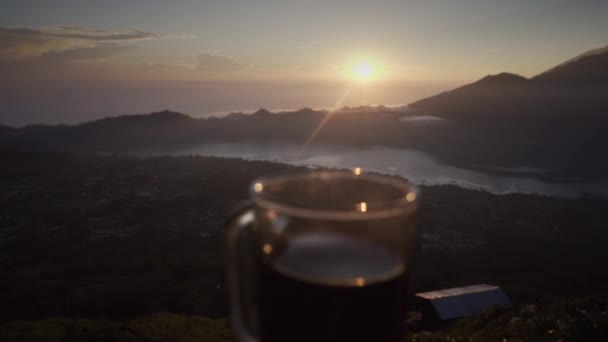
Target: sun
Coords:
[[363, 70]]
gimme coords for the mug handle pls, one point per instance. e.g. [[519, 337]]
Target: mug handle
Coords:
[[237, 228]]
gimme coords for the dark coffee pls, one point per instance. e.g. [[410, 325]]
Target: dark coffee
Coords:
[[331, 288]]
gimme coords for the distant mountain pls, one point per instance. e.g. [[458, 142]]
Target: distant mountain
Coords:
[[504, 78], [114, 133], [163, 117], [555, 120], [579, 86], [589, 68], [261, 113], [235, 116], [165, 130], [491, 91]]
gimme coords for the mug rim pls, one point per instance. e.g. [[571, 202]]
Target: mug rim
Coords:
[[402, 205]]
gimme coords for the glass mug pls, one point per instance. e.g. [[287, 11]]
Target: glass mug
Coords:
[[322, 256]]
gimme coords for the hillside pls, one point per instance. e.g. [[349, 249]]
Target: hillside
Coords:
[[564, 320], [555, 119], [113, 239], [121, 237], [574, 89], [587, 69], [156, 327], [501, 91]]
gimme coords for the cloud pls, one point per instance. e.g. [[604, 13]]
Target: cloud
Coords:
[[212, 62], [85, 53], [79, 33], [23, 43]]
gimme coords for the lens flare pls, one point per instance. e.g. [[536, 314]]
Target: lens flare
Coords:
[[410, 197]]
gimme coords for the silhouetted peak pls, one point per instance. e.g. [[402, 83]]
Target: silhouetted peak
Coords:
[[590, 67], [594, 52], [502, 78], [490, 87], [262, 112], [306, 110], [167, 114], [162, 117]]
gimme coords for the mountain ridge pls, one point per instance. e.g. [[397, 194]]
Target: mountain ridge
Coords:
[[583, 77], [504, 120], [567, 63], [585, 70], [502, 78], [555, 118]]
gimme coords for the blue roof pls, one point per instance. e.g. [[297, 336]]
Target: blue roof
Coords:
[[465, 301]]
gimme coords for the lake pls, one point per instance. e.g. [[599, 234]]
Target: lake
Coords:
[[418, 167]]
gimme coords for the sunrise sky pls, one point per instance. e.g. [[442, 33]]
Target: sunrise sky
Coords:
[[68, 61]]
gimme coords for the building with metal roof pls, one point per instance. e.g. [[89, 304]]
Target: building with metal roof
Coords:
[[447, 304]]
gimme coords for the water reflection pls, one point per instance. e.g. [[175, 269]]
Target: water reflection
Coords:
[[418, 167], [410, 197], [267, 248]]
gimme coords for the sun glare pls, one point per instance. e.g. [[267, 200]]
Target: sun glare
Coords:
[[363, 70]]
